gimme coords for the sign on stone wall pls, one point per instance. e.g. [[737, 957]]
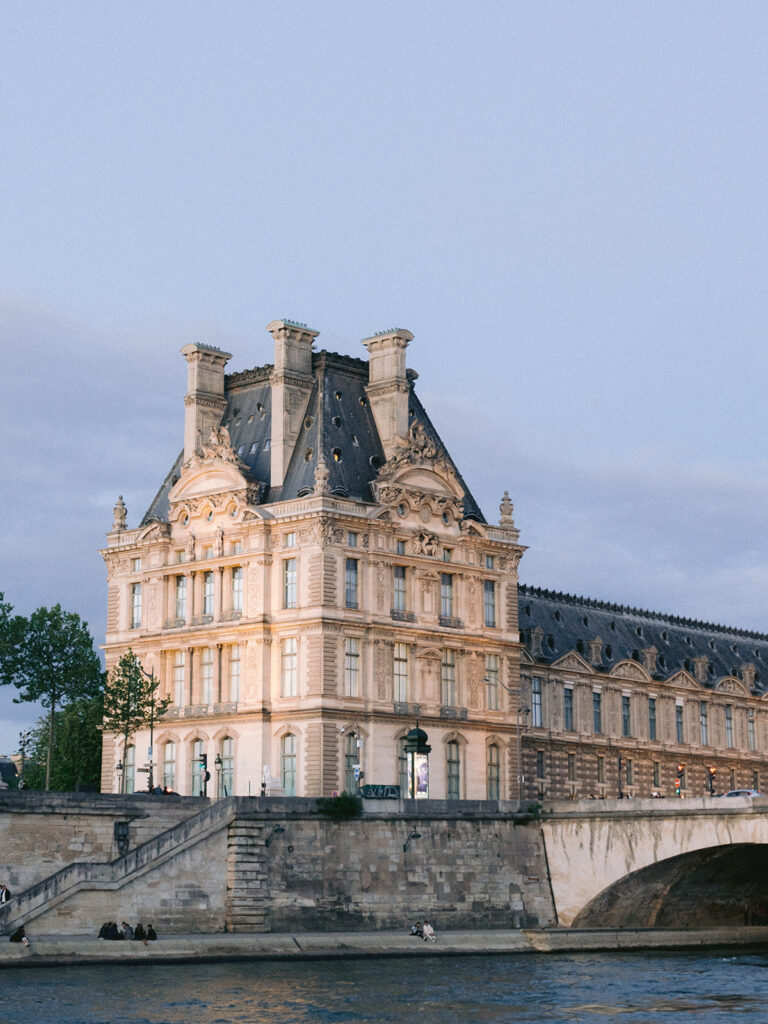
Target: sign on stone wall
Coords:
[[372, 792]]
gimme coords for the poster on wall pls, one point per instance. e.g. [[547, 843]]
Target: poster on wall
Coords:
[[418, 764]]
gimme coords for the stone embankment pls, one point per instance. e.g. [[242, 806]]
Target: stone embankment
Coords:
[[52, 952]]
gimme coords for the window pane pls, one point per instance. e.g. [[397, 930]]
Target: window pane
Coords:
[[536, 709], [351, 666], [350, 583], [289, 669], [448, 674], [492, 682], [446, 594], [454, 771], [288, 765], [398, 601], [401, 673], [237, 589], [234, 673], [568, 709], [289, 583], [493, 773], [489, 602]]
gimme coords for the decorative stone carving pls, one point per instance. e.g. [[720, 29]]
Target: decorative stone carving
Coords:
[[425, 544], [218, 544], [219, 446], [380, 588], [116, 564], [119, 515], [381, 670], [322, 476], [190, 547]]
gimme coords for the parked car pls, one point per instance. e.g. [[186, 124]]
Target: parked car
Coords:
[[744, 792]]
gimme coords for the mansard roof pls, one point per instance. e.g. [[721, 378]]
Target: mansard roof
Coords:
[[338, 422], [552, 623]]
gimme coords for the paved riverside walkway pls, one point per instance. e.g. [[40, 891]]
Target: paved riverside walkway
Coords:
[[49, 951]]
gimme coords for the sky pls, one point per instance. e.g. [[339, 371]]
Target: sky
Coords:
[[565, 203]]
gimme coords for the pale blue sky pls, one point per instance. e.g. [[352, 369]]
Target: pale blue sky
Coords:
[[564, 202]]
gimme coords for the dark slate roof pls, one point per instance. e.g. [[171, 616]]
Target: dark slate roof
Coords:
[[338, 421], [569, 622]]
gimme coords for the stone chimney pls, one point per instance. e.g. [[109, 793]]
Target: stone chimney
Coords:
[[204, 401], [291, 383], [649, 655], [388, 388], [701, 668], [595, 650]]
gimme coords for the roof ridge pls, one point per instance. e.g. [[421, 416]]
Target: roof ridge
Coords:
[[677, 620]]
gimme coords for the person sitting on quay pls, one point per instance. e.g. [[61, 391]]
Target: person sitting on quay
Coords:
[[429, 932], [151, 933], [127, 930], [138, 933], [416, 929]]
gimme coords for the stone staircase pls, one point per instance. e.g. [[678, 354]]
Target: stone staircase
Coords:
[[112, 875], [247, 889]]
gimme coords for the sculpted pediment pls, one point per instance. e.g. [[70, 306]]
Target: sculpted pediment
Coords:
[[573, 662], [731, 685], [525, 657], [214, 470], [429, 652], [684, 680], [630, 670], [155, 532]]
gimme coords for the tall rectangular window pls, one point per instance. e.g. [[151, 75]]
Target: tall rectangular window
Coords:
[[537, 718], [626, 717], [568, 709], [288, 764], [756, 781], [289, 583], [234, 672], [350, 760], [729, 725], [489, 602], [540, 765], [656, 774], [597, 711], [703, 723], [398, 597], [350, 583], [181, 597], [206, 675], [652, 718], [401, 673], [751, 728], [601, 770], [197, 779], [402, 767], [448, 678], [178, 677], [207, 593], [169, 766], [351, 667], [454, 771], [493, 773], [679, 725], [227, 775], [237, 589], [289, 667], [446, 594], [135, 605], [571, 767], [630, 772], [492, 682]]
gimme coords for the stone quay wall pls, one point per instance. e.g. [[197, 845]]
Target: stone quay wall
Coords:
[[276, 864], [40, 833]]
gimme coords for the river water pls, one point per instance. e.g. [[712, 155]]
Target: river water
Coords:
[[572, 988]]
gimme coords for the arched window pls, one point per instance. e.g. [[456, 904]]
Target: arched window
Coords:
[[288, 764], [197, 779], [130, 770], [493, 774], [169, 766], [350, 760], [227, 775], [453, 764]]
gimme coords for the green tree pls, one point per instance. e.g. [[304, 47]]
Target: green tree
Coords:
[[130, 701], [76, 743], [52, 660]]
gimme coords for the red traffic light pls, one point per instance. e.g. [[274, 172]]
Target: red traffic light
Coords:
[[712, 770], [680, 769]]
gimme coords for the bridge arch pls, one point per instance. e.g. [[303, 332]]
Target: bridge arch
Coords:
[[602, 855]]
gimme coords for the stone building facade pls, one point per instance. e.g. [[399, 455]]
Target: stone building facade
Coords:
[[314, 578]]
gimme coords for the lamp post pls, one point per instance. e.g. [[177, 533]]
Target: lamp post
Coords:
[[119, 771], [218, 765], [23, 741], [151, 763], [620, 768]]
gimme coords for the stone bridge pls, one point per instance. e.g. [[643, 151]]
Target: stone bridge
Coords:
[[658, 863]]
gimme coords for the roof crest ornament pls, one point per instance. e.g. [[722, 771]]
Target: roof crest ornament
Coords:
[[119, 515], [507, 517]]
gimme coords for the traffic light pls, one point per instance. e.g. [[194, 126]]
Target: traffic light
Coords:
[[680, 769], [677, 787], [203, 761], [711, 773]]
